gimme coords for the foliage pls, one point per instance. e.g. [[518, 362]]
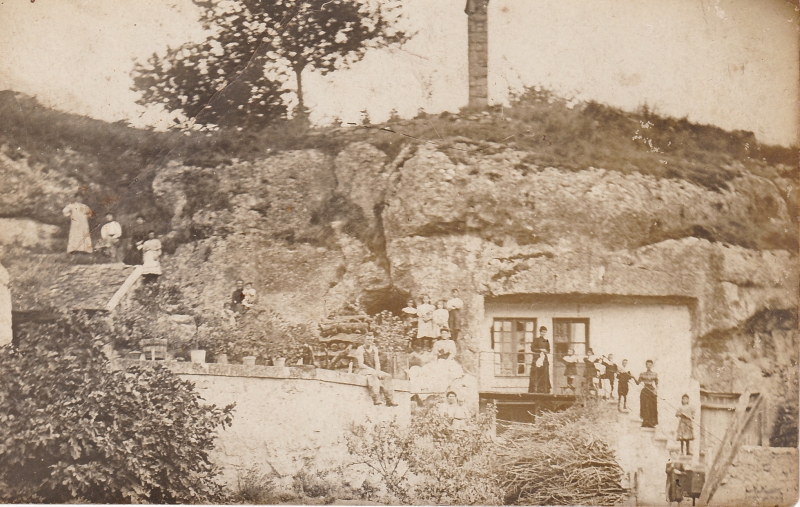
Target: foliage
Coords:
[[391, 333], [254, 487], [260, 333], [784, 432], [561, 459], [430, 462], [253, 47], [73, 428]]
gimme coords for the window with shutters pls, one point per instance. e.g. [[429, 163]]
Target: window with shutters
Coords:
[[511, 343]]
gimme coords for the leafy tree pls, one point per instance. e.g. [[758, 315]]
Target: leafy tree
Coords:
[[73, 429], [255, 45]]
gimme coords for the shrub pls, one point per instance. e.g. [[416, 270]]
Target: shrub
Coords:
[[430, 462], [71, 428]]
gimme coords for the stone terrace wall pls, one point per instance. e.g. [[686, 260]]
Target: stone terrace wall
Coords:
[[760, 476], [5, 308], [287, 418]]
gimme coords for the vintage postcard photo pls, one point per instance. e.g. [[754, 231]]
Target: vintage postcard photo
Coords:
[[399, 252]]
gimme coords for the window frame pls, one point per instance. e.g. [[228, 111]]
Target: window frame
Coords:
[[515, 345]]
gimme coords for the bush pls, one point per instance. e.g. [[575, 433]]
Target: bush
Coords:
[[71, 428], [429, 462]]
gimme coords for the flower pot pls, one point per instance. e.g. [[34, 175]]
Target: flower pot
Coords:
[[280, 362], [198, 356], [249, 360], [222, 359]]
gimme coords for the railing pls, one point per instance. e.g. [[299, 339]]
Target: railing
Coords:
[[511, 364]]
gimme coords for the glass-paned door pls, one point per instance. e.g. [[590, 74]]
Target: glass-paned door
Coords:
[[568, 334], [511, 343]]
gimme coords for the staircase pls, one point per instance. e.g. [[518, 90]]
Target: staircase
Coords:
[[643, 454]]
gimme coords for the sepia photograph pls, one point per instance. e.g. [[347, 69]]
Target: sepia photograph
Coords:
[[399, 252]]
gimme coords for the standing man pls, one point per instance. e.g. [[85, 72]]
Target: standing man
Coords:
[[454, 306], [110, 235], [540, 365], [368, 363], [237, 297]]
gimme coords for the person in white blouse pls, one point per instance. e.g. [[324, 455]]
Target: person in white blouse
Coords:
[[110, 235]]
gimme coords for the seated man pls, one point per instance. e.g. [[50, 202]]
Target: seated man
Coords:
[[444, 348], [368, 363], [110, 235]]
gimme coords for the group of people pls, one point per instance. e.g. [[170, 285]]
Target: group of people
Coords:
[[141, 248], [424, 321]]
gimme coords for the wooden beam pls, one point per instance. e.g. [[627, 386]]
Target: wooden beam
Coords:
[[729, 446]]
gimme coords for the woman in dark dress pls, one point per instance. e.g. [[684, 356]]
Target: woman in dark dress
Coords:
[[648, 401], [137, 237], [540, 366]]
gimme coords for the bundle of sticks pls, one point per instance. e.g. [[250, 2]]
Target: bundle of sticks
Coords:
[[561, 459]]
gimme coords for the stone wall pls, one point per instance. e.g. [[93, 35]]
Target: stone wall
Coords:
[[5, 307], [760, 476], [287, 418]]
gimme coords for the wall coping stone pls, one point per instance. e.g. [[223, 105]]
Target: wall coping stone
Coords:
[[259, 371]]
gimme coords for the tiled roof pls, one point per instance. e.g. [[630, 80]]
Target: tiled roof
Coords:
[[45, 286]]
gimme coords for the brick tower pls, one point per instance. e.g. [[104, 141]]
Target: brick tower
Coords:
[[478, 53]]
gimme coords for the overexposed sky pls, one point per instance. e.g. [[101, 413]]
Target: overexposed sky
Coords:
[[732, 63]]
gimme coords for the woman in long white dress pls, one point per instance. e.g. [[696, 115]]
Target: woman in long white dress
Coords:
[[440, 317], [425, 320], [151, 251], [80, 240]]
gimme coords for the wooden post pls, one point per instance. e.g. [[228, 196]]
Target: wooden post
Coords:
[[729, 446]]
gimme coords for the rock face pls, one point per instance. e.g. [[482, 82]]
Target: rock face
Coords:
[[5, 308], [28, 233], [314, 231]]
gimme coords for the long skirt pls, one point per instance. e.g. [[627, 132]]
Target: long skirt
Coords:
[[648, 408], [540, 378]]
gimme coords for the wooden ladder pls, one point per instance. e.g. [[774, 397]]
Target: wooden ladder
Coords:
[[749, 403]]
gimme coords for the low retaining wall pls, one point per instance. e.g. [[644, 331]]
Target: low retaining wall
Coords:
[[287, 418], [760, 476]]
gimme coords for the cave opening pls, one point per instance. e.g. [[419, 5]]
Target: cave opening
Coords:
[[389, 299]]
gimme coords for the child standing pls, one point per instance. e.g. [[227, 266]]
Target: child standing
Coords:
[[623, 377], [685, 433]]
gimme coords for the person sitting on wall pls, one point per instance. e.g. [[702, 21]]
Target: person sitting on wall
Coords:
[[151, 251], [571, 368], [110, 235], [367, 363], [444, 348], [307, 355], [418, 356]]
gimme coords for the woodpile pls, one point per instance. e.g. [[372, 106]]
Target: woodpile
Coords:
[[561, 459]]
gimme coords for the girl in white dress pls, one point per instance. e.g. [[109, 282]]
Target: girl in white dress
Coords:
[[151, 251]]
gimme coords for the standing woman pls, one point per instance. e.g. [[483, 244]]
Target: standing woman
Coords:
[[540, 366], [648, 400], [151, 251], [685, 415], [425, 323], [440, 317]]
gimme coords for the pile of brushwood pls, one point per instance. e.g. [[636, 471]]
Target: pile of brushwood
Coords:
[[561, 459]]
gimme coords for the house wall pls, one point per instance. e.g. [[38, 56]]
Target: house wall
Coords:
[[634, 330], [287, 418]]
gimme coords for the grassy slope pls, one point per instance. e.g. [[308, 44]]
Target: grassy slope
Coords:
[[124, 159]]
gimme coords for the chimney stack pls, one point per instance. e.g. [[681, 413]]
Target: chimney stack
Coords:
[[478, 53]]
